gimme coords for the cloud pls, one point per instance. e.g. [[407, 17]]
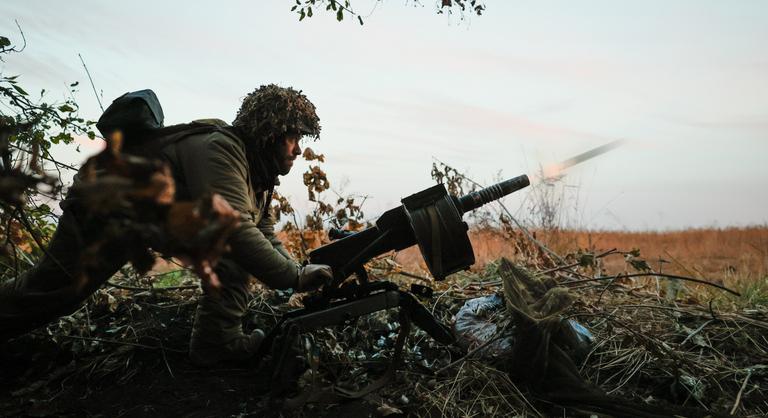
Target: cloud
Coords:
[[464, 118], [752, 123]]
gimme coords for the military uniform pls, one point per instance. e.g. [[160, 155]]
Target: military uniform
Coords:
[[216, 161]]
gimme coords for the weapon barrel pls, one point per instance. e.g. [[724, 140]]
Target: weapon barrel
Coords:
[[476, 199]]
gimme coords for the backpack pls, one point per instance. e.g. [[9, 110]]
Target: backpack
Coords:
[[140, 117], [133, 111]]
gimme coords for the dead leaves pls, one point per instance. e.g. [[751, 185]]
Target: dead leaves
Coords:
[[310, 155], [198, 232], [316, 181], [136, 198]]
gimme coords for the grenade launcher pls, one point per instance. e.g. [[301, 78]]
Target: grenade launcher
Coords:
[[430, 218]]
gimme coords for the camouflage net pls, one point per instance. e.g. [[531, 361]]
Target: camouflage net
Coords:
[[270, 112], [543, 338]]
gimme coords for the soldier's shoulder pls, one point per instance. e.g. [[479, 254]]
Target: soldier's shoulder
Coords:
[[216, 131], [200, 138], [212, 121]]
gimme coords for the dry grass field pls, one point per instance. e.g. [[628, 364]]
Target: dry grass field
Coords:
[[737, 256]]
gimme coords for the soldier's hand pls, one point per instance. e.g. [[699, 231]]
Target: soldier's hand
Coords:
[[312, 276]]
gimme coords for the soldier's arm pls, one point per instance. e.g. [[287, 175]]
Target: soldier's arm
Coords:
[[219, 166], [267, 227]]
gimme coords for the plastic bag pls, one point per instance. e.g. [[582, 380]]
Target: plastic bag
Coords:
[[479, 320]]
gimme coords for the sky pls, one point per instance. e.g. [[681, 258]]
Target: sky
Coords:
[[527, 84]]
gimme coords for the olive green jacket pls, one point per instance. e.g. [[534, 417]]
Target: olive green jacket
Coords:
[[218, 162]]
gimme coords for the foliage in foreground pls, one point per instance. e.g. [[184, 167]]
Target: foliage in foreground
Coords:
[[649, 348], [29, 174]]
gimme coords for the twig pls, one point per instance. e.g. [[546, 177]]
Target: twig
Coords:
[[102, 340], [450, 393], [696, 331], [499, 335], [91, 80], [413, 276], [679, 264], [434, 306], [165, 358], [750, 321], [338, 3], [669, 276], [569, 266], [660, 307], [13, 49], [741, 391], [45, 158], [23, 38], [150, 289], [605, 288], [176, 263], [711, 310]]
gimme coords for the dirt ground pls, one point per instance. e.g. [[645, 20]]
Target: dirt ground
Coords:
[[94, 377]]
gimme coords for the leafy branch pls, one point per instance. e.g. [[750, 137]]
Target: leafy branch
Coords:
[[29, 126], [7, 47], [304, 8]]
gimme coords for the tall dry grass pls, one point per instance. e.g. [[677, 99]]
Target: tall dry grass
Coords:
[[715, 253]]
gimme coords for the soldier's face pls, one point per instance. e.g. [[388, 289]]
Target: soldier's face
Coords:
[[287, 151]]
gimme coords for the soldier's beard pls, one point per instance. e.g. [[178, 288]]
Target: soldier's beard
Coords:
[[282, 164], [284, 168]]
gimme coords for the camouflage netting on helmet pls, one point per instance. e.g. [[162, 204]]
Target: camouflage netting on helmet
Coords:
[[270, 112]]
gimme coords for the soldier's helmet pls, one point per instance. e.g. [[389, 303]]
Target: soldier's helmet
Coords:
[[270, 112]]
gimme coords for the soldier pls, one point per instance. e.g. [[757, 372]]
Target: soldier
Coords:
[[241, 163]]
